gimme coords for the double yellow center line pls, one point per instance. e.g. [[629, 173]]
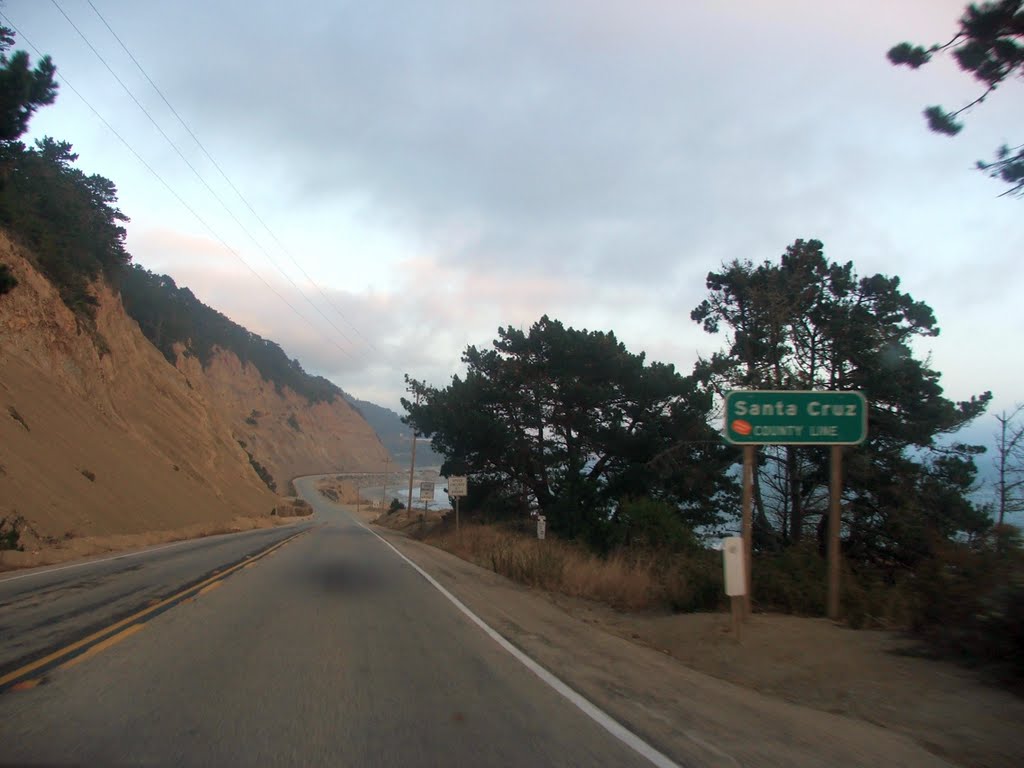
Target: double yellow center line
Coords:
[[104, 638]]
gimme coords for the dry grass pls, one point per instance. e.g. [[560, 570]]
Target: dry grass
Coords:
[[627, 581]]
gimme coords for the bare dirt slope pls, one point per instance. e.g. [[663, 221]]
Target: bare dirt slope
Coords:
[[100, 450], [870, 675], [282, 430], [159, 456]]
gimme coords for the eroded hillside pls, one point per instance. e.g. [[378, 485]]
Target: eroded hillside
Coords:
[[284, 431], [100, 436]]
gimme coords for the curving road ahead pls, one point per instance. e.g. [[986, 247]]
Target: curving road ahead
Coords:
[[327, 650]]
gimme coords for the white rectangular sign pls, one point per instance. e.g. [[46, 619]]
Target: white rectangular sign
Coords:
[[542, 525], [427, 490], [732, 555], [457, 486]]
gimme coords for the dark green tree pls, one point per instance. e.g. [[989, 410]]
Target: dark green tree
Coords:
[[170, 316], [989, 45], [806, 323], [23, 89], [570, 424], [69, 221]]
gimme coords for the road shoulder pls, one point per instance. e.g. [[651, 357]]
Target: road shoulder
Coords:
[[690, 716]]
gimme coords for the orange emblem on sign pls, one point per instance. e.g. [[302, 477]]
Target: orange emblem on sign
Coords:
[[741, 427]]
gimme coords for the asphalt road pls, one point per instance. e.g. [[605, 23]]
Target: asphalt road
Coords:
[[48, 608], [330, 650]]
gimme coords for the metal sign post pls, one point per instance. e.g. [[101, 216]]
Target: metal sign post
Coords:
[[426, 492], [796, 417]]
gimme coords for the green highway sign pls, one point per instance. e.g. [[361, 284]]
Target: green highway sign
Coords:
[[794, 417]]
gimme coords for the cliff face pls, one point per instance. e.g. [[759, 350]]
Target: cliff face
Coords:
[[282, 430], [96, 444]]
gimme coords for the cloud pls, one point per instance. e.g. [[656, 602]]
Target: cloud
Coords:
[[482, 164], [562, 137]]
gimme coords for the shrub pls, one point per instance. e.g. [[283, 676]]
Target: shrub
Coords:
[[876, 599], [970, 603], [7, 280], [792, 580], [395, 506], [695, 582], [646, 523], [10, 533], [263, 472], [88, 475], [17, 417]]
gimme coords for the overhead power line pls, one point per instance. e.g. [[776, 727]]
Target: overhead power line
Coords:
[[196, 173], [170, 189], [226, 178]]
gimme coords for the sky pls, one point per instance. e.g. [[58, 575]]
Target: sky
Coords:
[[413, 176]]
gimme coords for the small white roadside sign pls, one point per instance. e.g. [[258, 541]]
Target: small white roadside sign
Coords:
[[457, 486], [732, 554], [427, 490]]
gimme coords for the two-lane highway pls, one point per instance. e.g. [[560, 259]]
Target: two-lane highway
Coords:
[[45, 610], [331, 650]]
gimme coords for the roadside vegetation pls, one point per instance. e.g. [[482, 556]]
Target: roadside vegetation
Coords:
[[570, 425], [626, 579], [10, 532], [621, 457], [8, 282]]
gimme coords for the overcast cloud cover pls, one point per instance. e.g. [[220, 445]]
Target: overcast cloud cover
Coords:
[[440, 169]]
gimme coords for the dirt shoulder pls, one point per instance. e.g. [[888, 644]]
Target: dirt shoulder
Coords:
[[41, 553], [873, 676], [795, 692]]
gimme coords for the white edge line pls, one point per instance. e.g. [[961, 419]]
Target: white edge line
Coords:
[[44, 571], [595, 713]]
